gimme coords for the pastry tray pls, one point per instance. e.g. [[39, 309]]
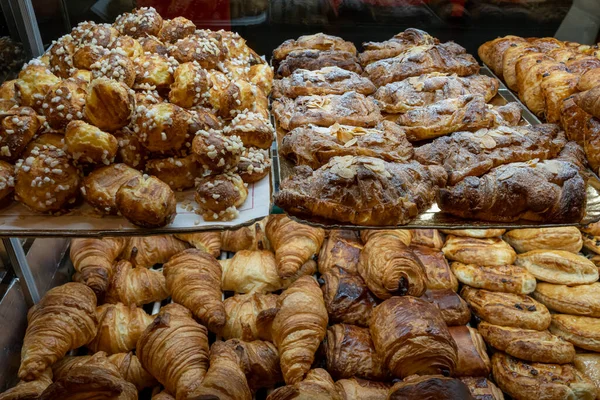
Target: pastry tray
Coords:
[[433, 218]]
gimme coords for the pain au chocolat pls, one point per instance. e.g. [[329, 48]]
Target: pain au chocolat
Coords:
[[566, 238], [558, 266], [429, 387], [488, 251], [576, 300], [500, 278]]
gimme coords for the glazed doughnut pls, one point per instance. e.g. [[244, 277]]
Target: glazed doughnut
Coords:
[[254, 165], [219, 196], [161, 128], [108, 104], [154, 71], [130, 46], [35, 80], [115, 65], [147, 201], [139, 23], [64, 102], [86, 55], [206, 51], [174, 29], [241, 95], [190, 86], [131, 152], [151, 44], [19, 126], [178, 172], [217, 152], [88, 144], [7, 181], [101, 185], [253, 128], [61, 56]]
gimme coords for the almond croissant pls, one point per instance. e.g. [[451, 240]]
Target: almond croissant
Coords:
[[93, 259], [299, 327], [194, 280], [390, 268], [174, 349], [146, 251], [225, 379], [209, 242], [249, 316], [137, 286], [259, 361], [63, 320], [119, 328], [29, 390], [294, 243], [251, 237], [318, 385], [131, 369]]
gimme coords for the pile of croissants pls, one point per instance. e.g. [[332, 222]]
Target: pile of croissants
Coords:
[[385, 318]]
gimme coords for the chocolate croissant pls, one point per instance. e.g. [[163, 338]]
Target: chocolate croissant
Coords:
[[249, 316], [437, 270], [472, 357], [137, 286], [63, 320], [299, 327], [194, 280], [430, 387], [260, 362]]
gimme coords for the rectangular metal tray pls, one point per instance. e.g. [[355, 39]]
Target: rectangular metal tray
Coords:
[[433, 218]]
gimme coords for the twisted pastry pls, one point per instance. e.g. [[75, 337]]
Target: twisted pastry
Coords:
[[390, 268], [131, 369], [225, 379], [209, 242], [174, 349], [259, 361], [249, 316], [29, 390], [318, 385], [135, 285], [299, 327], [146, 251], [194, 280], [93, 259], [119, 328], [63, 320], [294, 243]]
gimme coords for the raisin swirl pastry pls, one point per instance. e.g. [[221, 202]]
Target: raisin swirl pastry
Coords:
[[147, 201], [139, 23], [154, 71], [108, 104], [100, 187], [64, 102], [220, 196], [217, 152], [174, 29], [115, 65]]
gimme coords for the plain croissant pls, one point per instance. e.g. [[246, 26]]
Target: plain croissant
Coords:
[[93, 259], [318, 385], [209, 242], [119, 328], [249, 316], [63, 320], [146, 251], [294, 243], [29, 390], [251, 237], [194, 280], [259, 361], [137, 286], [131, 370], [299, 327]]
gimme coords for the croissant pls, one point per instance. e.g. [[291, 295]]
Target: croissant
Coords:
[[194, 280], [259, 361], [294, 243], [437, 270], [29, 390], [225, 379], [249, 316], [557, 86], [131, 370], [588, 101], [299, 327], [347, 297], [390, 268], [350, 352], [147, 251], [63, 320], [174, 349], [341, 249], [318, 385], [405, 236], [93, 259], [361, 389], [209, 242], [119, 328], [251, 237], [135, 285], [428, 238]]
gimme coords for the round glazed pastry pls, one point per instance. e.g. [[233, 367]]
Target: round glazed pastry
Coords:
[[101, 185], [154, 71], [174, 29], [475, 233], [219, 196], [566, 238], [147, 201], [412, 337], [216, 152], [436, 387], [261, 75], [115, 66], [507, 309], [64, 102], [206, 51], [501, 278], [86, 55], [190, 86], [527, 344], [147, 97], [97, 34], [19, 126], [254, 129], [527, 381], [139, 23], [254, 164], [489, 251], [35, 80], [151, 44], [88, 144], [240, 96], [583, 332], [108, 104], [178, 172], [7, 181], [61, 56], [576, 300], [558, 266], [131, 152], [46, 181], [161, 128], [130, 46]]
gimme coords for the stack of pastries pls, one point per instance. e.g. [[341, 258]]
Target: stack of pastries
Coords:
[[123, 115], [558, 81], [377, 137]]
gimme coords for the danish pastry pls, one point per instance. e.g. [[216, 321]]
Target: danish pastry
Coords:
[[341, 249], [575, 300], [428, 238], [88, 144], [558, 266], [101, 185], [178, 172], [499, 278], [439, 275], [566, 238], [488, 251], [220, 196], [583, 332], [108, 104]]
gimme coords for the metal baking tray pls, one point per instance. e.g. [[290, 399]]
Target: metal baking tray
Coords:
[[433, 218]]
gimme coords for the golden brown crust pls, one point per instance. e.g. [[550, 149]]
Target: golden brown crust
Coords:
[[559, 238], [311, 60], [93, 259], [429, 387], [146, 251], [131, 152], [206, 51], [475, 233], [558, 266], [162, 127], [130, 46], [361, 389], [64, 102], [437, 270], [557, 86], [341, 249], [88, 144], [31, 390], [34, 81], [482, 388], [251, 237], [492, 52], [453, 308], [488, 251], [248, 316], [87, 55], [139, 23], [254, 129], [216, 152], [175, 29], [499, 278], [254, 165], [260, 362], [428, 238], [119, 328], [583, 332], [98, 34], [472, 358], [154, 71], [528, 344], [101, 185], [261, 75], [7, 181], [576, 300], [220, 196], [60, 56], [18, 127], [318, 41], [394, 46], [109, 104], [251, 271], [589, 365], [507, 309], [179, 173], [131, 370], [405, 236], [412, 337], [241, 96], [147, 201], [190, 85], [318, 385], [209, 242], [137, 286], [115, 66]]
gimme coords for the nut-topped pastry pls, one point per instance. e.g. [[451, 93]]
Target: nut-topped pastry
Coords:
[[254, 164], [108, 104], [64, 102], [96, 34], [318, 41], [139, 23], [61, 56], [219, 196], [206, 51]]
